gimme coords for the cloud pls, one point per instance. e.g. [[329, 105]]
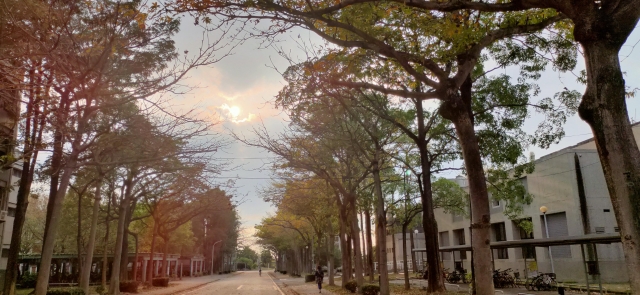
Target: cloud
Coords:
[[233, 114]]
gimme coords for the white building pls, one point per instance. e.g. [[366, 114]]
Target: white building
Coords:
[[418, 243], [9, 176], [571, 184]]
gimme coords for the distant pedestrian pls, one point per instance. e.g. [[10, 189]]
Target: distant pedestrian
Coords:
[[319, 276]]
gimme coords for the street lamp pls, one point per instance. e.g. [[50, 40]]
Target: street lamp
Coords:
[[544, 209], [212, 249]]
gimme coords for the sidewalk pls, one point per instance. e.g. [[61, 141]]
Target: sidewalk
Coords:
[[296, 286], [187, 283]]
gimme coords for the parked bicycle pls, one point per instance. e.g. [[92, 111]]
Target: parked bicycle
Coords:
[[542, 282], [457, 276], [502, 279]]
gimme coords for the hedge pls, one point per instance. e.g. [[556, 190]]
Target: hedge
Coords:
[[370, 290], [352, 286], [309, 278], [130, 286], [67, 291], [160, 282]]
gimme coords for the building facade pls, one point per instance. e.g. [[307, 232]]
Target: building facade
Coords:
[[570, 184], [418, 243], [9, 172]]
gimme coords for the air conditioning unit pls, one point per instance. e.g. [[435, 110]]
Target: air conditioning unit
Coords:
[[3, 215]]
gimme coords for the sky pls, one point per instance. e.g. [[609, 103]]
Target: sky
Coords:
[[239, 91]]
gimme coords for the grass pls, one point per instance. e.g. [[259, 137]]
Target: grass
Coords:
[[92, 290], [622, 287], [394, 288]]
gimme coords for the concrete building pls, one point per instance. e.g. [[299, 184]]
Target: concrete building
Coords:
[[9, 173], [571, 184], [418, 242]]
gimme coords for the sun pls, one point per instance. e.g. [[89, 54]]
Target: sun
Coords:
[[234, 111]]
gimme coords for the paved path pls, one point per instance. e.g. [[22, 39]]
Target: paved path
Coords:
[[296, 286], [177, 287], [239, 283]]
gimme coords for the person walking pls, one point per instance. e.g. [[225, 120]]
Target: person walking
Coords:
[[319, 276]]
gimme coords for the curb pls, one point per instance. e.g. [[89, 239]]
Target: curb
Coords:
[[272, 277], [191, 289]]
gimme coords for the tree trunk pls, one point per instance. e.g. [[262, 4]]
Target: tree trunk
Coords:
[[405, 265], [435, 275], [79, 234], [367, 217], [355, 235], [166, 270], [604, 108], [381, 230], [413, 254], [457, 108], [153, 248], [52, 228], [85, 274], [344, 246], [135, 263], [330, 258], [105, 260], [21, 212], [393, 248], [114, 284], [364, 244]]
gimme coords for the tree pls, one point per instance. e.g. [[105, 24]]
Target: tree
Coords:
[[600, 27], [399, 55], [250, 255], [265, 257]]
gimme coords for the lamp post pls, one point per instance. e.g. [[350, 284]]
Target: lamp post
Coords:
[[212, 249], [544, 209]]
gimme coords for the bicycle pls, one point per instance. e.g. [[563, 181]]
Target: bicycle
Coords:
[[542, 282], [457, 276], [502, 279]]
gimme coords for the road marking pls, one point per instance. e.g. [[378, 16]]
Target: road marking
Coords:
[[239, 287], [275, 286]]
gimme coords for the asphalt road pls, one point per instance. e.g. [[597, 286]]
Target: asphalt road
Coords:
[[242, 283]]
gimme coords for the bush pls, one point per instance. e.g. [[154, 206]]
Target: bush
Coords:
[[352, 286], [67, 291], [309, 278], [284, 272], [130, 287], [370, 290], [28, 280], [160, 282], [101, 290]]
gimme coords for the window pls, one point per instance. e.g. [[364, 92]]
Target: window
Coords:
[[500, 234], [557, 228], [495, 203], [17, 172], [528, 252], [599, 229], [607, 210], [5, 253], [443, 240], [616, 229], [499, 231], [459, 237], [11, 212]]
